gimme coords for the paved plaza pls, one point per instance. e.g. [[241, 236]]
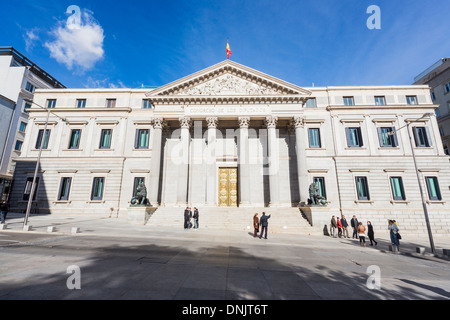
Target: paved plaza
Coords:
[[116, 260]]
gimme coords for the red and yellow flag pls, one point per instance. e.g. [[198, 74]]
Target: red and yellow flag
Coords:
[[228, 50]]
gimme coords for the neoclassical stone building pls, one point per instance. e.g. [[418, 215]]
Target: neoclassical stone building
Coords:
[[231, 136]]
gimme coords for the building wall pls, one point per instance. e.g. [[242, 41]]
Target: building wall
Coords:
[[337, 163]]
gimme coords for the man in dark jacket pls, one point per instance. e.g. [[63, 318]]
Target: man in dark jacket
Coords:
[[187, 218], [4, 211], [264, 224], [354, 224], [195, 218], [344, 227]]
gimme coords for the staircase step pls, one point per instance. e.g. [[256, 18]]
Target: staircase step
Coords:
[[283, 220]]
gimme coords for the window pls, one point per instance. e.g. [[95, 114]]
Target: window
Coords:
[[64, 189], [39, 139], [26, 107], [81, 103], [146, 104], [447, 87], [398, 193], [387, 137], [142, 138], [441, 131], [311, 103], [27, 191], [434, 193], [349, 101], [97, 189], [314, 138], [29, 87], [74, 142], [354, 138], [411, 99], [421, 137], [433, 96], [18, 145], [362, 188], [437, 112], [51, 103], [320, 182], [23, 126], [110, 103], [380, 101], [105, 139], [137, 182]]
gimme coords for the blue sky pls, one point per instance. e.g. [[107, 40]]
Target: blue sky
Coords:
[[325, 42]]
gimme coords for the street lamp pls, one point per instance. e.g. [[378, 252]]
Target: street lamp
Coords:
[[33, 185], [424, 204]]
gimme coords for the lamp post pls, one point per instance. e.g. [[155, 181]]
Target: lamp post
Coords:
[[424, 204], [33, 185]]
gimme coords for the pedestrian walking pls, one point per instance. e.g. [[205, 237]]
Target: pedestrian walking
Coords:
[[344, 227], [354, 224], [264, 225], [4, 211], [370, 233], [362, 234], [195, 218], [333, 226], [339, 226], [255, 225], [393, 232]]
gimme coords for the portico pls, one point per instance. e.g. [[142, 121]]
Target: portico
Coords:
[[228, 139]]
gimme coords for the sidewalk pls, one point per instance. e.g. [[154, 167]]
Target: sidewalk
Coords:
[[119, 227]]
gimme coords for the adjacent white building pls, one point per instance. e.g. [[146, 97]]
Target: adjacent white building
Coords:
[[437, 77], [19, 78], [231, 136]]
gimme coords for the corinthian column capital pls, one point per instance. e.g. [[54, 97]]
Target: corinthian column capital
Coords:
[[271, 121], [212, 122], [244, 122], [185, 122], [158, 123]]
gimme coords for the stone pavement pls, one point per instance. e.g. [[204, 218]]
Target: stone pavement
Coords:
[[122, 261]]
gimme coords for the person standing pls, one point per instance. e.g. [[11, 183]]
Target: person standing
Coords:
[[255, 225], [344, 227], [362, 234], [264, 225], [333, 226], [354, 224], [339, 227], [187, 218], [393, 231], [370, 233], [195, 218], [4, 211]]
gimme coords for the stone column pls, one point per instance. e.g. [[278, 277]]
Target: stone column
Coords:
[[244, 166], [155, 167], [273, 159], [211, 173], [302, 168], [183, 166]]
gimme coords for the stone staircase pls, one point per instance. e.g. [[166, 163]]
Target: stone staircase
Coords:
[[283, 220]]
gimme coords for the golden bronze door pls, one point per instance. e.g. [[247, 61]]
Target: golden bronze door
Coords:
[[228, 182]]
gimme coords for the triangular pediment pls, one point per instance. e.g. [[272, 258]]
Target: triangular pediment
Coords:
[[228, 79]]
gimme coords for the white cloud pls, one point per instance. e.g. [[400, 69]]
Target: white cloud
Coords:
[[77, 45], [103, 83], [30, 38]]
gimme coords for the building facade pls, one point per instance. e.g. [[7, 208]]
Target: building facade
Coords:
[[231, 136], [19, 78], [438, 78]]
